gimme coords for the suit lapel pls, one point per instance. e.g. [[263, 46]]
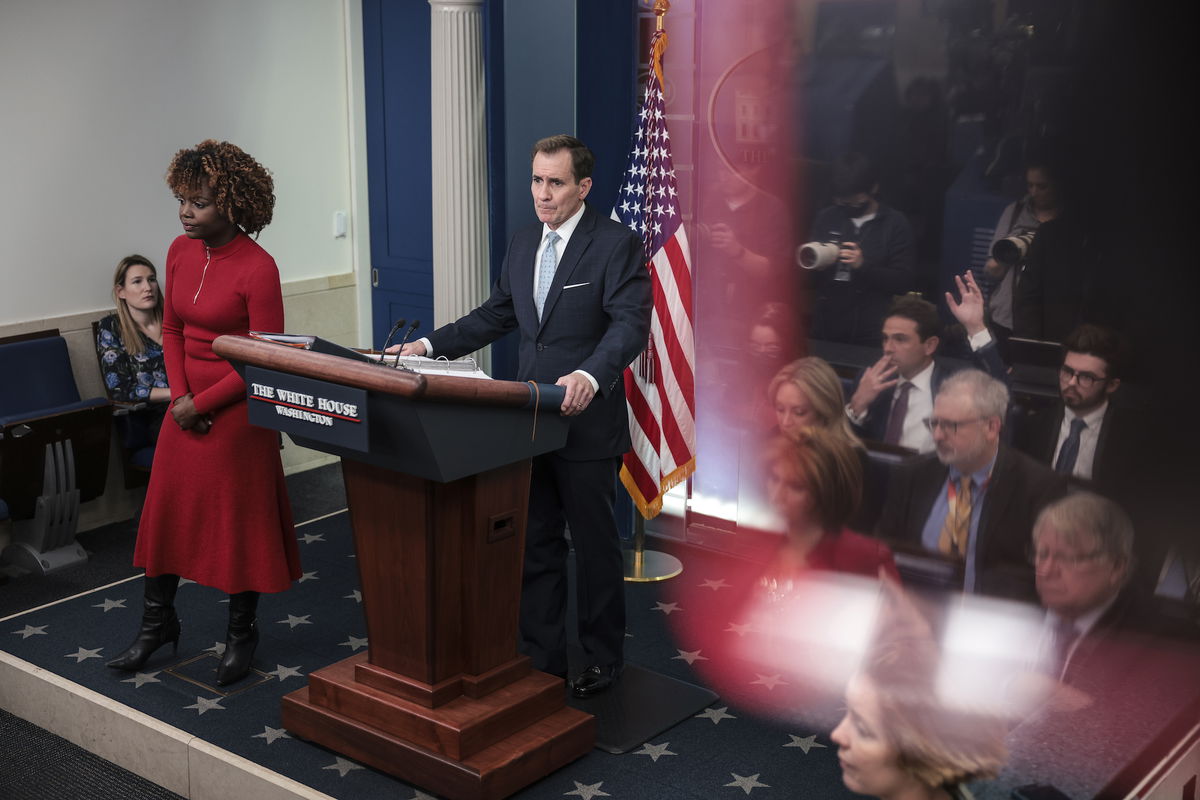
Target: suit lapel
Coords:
[[580, 240], [995, 500], [929, 488], [520, 273]]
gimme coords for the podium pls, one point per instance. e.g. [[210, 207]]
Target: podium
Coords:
[[437, 481]]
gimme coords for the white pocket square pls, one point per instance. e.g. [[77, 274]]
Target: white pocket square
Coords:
[[575, 285]]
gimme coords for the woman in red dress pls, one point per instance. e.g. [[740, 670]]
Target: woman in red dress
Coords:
[[217, 509]]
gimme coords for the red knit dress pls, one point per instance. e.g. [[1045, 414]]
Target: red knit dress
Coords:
[[217, 509]]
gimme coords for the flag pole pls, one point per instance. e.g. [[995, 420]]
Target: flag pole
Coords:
[[642, 565]]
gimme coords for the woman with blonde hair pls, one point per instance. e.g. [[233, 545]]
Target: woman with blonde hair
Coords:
[[129, 344], [129, 340], [900, 740], [808, 393]]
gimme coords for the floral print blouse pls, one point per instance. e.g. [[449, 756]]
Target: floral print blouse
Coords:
[[128, 378]]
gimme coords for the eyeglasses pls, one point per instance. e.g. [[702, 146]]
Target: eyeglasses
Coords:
[[1084, 379], [1041, 556], [948, 425]]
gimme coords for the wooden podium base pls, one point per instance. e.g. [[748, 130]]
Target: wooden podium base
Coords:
[[483, 748]]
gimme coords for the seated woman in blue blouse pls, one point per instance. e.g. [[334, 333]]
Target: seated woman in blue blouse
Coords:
[[129, 342]]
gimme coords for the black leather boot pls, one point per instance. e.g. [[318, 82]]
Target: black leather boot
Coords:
[[160, 625], [241, 639]]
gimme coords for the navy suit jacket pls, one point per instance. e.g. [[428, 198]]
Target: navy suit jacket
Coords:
[[1018, 490], [1116, 463], [596, 318]]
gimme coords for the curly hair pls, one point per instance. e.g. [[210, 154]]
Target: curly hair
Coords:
[[242, 188]]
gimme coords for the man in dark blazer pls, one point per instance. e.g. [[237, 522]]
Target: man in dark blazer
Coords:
[[1085, 436], [577, 289], [974, 501], [894, 396]]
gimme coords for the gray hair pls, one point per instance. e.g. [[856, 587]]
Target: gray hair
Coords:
[[988, 395], [1086, 514]]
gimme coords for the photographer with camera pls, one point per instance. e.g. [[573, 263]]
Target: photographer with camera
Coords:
[[1014, 234], [861, 255]]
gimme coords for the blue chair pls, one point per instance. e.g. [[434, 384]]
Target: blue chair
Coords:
[[137, 427], [54, 450]]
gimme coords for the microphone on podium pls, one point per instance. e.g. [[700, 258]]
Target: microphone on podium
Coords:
[[399, 324], [404, 340], [391, 334]]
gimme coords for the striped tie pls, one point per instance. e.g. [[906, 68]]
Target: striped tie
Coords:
[[546, 269], [956, 530]]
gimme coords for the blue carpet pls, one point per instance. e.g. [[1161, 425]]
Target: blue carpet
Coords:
[[723, 752]]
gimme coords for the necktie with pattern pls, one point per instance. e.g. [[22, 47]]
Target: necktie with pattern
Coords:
[[956, 530], [546, 268]]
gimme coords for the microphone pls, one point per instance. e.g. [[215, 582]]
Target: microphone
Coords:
[[399, 324], [404, 340]]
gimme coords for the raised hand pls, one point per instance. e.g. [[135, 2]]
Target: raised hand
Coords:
[[968, 311]]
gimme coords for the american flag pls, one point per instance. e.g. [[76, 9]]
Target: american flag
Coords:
[[660, 384]]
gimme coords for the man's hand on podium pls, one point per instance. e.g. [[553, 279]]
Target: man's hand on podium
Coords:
[[579, 393], [409, 349]]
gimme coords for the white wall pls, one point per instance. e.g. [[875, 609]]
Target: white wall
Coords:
[[97, 95]]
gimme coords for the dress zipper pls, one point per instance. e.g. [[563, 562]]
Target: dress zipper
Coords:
[[207, 261]]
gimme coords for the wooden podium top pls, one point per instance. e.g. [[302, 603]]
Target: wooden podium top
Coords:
[[380, 378]]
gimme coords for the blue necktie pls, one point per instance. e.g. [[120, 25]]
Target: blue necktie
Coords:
[[1065, 464], [546, 271]]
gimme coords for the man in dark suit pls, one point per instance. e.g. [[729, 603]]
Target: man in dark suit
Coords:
[[894, 396], [1082, 555], [577, 289], [1084, 436], [974, 501]]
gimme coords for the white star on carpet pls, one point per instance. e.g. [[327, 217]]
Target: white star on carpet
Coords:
[[805, 743], [342, 766], [716, 714], [309, 538], [292, 620], [769, 681], [739, 629], [218, 648], [588, 791], [271, 734], [82, 655], [655, 751], [689, 656], [203, 704], [308, 576], [716, 585], [746, 783], [282, 673], [666, 608], [422, 796], [142, 678], [354, 642], [356, 596], [30, 630], [109, 605]]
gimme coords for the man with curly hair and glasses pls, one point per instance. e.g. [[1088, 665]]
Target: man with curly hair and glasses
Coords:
[[217, 509]]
